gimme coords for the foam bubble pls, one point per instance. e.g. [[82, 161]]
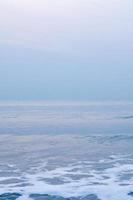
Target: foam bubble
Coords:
[[79, 179]]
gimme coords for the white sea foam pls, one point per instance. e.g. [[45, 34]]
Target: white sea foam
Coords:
[[107, 184]]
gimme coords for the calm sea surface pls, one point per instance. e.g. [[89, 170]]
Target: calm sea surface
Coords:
[[66, 150]]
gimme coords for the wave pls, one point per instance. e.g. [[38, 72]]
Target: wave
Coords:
[[14, 196], [126, 117], [109, 179]]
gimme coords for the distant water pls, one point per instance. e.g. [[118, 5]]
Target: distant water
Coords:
[[66, 151]]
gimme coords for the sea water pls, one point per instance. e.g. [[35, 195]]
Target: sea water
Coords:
[[66, 150]]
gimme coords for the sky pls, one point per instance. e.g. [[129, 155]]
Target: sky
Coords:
[[66, 49]]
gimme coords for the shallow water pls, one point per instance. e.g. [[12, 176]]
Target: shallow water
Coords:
[[66, 151]]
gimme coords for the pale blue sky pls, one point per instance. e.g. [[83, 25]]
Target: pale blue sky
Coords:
[[66, 49]]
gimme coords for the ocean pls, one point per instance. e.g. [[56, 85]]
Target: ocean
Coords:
[[66, 150]]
